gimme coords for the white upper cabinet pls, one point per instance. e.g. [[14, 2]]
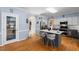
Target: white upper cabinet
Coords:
[[74, 20], [69, 19], [64, 19]]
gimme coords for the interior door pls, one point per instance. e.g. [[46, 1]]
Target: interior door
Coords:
[[10, 28]]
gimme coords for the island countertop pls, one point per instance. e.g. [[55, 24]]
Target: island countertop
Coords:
[[52, 31]]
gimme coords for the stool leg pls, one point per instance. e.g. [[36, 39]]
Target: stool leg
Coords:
[[53, 43], [43, 40], [47, 42]]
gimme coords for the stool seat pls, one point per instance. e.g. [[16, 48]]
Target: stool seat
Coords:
[[51, 36]]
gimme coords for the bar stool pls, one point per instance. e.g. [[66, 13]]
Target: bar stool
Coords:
[[50, 39], [43, 36]]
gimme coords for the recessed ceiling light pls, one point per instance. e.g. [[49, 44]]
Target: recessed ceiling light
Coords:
[[52, 10]]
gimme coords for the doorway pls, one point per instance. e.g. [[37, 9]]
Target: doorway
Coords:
[[32, 25]]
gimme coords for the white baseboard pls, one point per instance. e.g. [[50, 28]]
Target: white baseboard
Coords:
[[13, 42], [1, 44]]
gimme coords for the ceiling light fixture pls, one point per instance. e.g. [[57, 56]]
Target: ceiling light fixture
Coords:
[[52, 10]]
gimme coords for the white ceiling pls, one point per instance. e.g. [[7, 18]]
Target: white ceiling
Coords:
[[43, 11], [35, 10]]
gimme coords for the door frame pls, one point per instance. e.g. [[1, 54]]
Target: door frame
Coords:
[[4, 33], [32, 19]]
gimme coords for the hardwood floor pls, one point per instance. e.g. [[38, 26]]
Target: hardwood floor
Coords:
[[34, 44]]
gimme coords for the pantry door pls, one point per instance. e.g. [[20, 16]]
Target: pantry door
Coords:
[[10, 28]]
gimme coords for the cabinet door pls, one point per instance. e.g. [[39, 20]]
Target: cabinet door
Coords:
[[74, 20], [77, 20], [69, 20], [64, 19]]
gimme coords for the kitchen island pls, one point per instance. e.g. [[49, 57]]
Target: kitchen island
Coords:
[[57, 39]]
